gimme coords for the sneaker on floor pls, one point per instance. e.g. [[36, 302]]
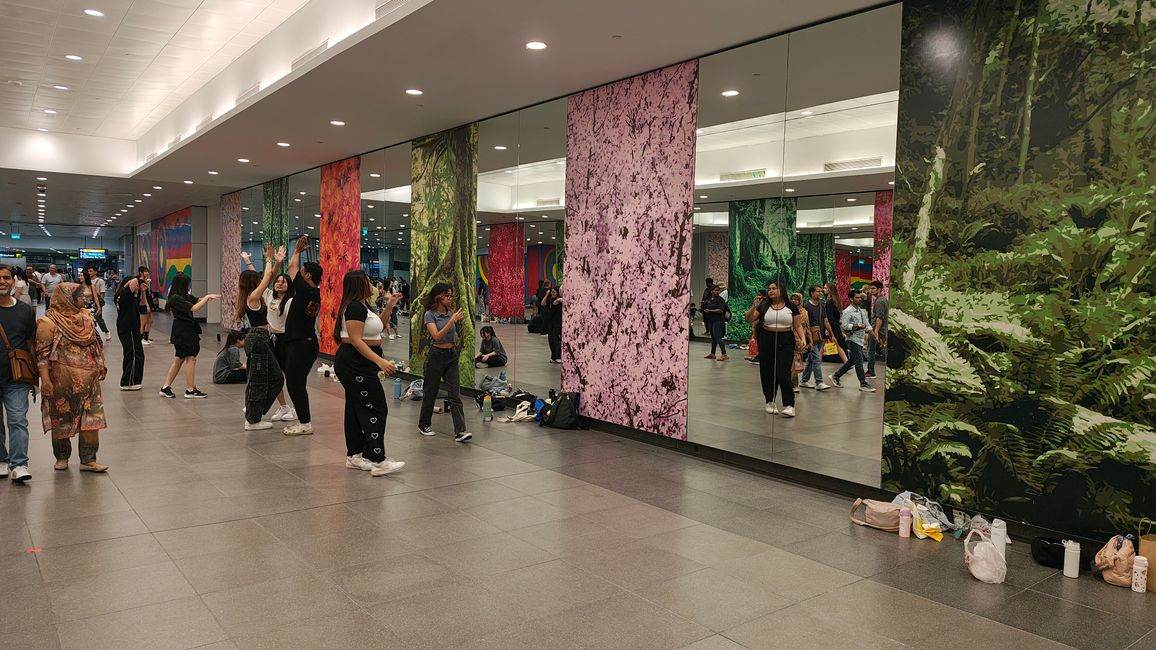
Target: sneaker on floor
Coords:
[[463, 436], [168, 392], [788, 412], [870, 375], [146, 342], [20, 474], [387, 466], [108, 336], [867, 388], [289, 415], [299, 429], [258, 426], [4, 469], [195, 394], [798, 390], [93, 467], [771, 408], [835, 382], [276, 417], [133, 387], [356, 461], [806, 384], [60, 465], [426, 431], [754, 360], [822, 386]]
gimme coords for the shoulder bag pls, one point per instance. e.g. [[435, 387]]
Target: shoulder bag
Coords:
[[22, 363]]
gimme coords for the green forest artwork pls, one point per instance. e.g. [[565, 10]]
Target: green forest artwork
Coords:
[[443, 247], [1021, 373], [762, 245], [275, 212], [815, 261]]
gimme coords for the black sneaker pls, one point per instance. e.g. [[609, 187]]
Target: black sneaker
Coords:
[[463, 436], [168, 392], [835, 380], [870, 375], [426, 431], [195, 394]]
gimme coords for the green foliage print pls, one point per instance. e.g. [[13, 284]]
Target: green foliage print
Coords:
[[815, 260], [275, 212], [443, 244], [762, 248], [1021, 373]]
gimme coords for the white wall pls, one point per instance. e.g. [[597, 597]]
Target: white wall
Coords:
[[213, 261], [198, 220], [65, 153]]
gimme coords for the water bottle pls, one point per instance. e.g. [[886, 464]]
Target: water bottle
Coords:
[[1140, 574], [397, 388], [1071, 559], [999, 536], [904, 522], [487, 409]]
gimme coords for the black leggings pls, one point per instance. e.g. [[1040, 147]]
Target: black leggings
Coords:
[[298, 364], [132, 365], [265, 378], [776, 354], [365, 405], [717, 330]]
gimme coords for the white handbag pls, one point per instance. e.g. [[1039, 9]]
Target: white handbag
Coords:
[[985, 562]]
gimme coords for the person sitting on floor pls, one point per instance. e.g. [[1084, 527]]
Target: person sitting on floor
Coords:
[[227, 368], [493, 353]]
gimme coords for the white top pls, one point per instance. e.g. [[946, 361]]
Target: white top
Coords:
[[22, 287], [778, 318], [276, 319], [373, 327]]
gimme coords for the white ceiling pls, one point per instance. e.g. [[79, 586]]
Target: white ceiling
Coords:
[[140, 60]]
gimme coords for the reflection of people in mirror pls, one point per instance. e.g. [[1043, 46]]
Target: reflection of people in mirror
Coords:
[[492, 353], [832, 312], [854, 324], [781, 336], [714, 312], [877, 338], [552, 313]]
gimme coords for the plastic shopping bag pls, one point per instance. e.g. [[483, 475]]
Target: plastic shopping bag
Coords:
[[983, 559]]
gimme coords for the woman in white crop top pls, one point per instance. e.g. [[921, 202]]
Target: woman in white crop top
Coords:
[[277, 299], [781, 338]]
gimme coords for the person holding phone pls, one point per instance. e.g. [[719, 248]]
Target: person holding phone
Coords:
[[441, 361]]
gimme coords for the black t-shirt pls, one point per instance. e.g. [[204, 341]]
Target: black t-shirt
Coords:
[[128, 306], [181, 308], [19, 323], [301, 321], [815, 316]]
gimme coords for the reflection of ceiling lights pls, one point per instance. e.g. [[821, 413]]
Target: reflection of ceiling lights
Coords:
[[73, 57], [242, 160], [337, 122], [282, 144], [413, 91], [42, 129], [807, 113], [244, 208], [852, 200], [499, 147], [375, 175], [61, 87], [535, 45], [50, 111], [212, 173], [95, 13], [702, 196], [789, 189], [890, 182], [156, 187], [730, 93], [188, 182]]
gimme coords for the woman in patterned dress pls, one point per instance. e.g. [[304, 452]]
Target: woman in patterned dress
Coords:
[[71, 359]]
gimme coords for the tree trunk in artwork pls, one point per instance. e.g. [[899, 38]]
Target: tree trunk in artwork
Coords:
[[340, 240], [815, 261], [443, 244], [881, 269], [842, 274], [507, 271], [762, 248], [230, 257], [1030, 91], [275, 213]]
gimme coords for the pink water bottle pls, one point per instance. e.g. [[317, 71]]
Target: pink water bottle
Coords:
[[904, 522]]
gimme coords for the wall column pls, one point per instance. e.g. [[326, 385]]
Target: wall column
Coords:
[[340, 240], [230, 257], [629, 201], [881, 269], [507, 271], [443, 242]]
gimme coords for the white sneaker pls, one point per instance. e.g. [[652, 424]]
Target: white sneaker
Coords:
[[258, 426], [20, 474], [387, 466], [822, 386], [771, 408], [788, 411], [134, 387], [806, 384], [392, 336], [4, 470], [108, 336], [298, 429], [278, 413], [867, 389], [289, 415], [356, 461], [146, 342]]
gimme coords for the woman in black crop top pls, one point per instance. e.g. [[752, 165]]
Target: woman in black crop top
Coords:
[[128, 329], [265, 378]]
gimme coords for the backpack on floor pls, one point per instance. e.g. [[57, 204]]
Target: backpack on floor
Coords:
[[536, 325], [562, 413], [415, 391]]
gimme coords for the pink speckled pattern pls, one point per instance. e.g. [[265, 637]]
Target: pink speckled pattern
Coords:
[[230, 256], [842, 274], [718, 257], [507, 263], [629, 201], [881, 269]]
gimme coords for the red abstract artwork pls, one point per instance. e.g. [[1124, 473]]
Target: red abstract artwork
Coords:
[[340, 239], [507, 271]]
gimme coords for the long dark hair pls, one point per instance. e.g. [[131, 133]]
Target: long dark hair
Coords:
[[833, 296], [232, 339], [246, 283], [438, 289], [354, 288], [288, 291], [179, 287], [766, 303]]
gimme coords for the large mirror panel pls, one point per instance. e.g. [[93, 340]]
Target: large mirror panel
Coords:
[[385, 240]]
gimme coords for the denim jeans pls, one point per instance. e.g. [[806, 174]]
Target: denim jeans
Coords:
[[14, 396], [814, 363], [872, 350], [855, 358]]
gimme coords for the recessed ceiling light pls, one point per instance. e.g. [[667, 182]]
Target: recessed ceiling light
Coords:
[[375, 175], [73, 57], [297, 199], [137, 200], [702, 196], [213, 173], [852, 200], [61, 87], [890, 182], [96, 13], [41, 178], [370, 206], [50, 111], [535, 45], [282, 144], [113, 217], [244, 208], [156, 187], [807, 113], [730, 93], [854, 228], [188, 182], [318, 215], [500, 147], [697, 208], [789, 189], [242, 160], [301, 193], [41, 194], [413, 91], [41, 129], [405, 215]]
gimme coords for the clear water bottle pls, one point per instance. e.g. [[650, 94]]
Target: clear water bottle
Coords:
[[487, 409], [397, 388]]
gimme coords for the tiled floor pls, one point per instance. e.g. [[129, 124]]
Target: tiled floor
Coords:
[[203, 535]]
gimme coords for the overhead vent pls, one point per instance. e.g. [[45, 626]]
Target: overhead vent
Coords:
[[203, 123], [150, 156], [309, 55], [858, 163], [745, 175], [248, 92], [174, 142], [387, 7], [548, 203]]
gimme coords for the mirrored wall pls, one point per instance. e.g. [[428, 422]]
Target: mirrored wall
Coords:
[[794, 165]]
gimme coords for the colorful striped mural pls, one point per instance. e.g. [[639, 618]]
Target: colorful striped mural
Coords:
[[165, 246]]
